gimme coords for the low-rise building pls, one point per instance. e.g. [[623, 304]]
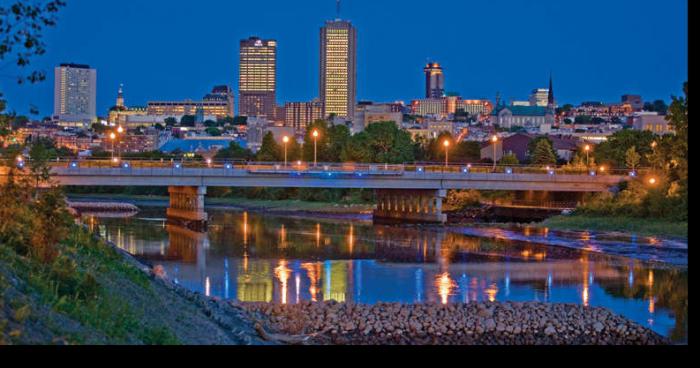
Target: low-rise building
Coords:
[[656, 124], [519, 116]]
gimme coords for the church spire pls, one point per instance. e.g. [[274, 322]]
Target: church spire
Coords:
[[120, 96]]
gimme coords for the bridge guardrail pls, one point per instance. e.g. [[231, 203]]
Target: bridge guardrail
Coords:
[[176, 168]]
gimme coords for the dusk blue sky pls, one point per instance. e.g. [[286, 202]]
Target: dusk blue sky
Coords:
[[597, 50]]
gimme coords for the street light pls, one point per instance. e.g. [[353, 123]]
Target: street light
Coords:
[[112, 136], [653, 181], [286, 141], [494, 139], [447, 153], [120, 130], [587, 149], [315, 134]]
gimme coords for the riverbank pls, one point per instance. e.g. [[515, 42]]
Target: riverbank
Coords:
[[642, 227], [281, 207], [332, 323], [96, 294]]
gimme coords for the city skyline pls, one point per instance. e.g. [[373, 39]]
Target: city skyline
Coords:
[[380, 77]]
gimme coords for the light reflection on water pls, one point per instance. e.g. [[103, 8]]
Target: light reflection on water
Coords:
[[252, 258]]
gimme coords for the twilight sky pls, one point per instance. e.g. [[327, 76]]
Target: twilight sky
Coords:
[[177, 49]]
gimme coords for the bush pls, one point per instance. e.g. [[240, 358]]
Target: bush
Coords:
[[460, 199]]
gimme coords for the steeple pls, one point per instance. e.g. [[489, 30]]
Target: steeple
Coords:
[[120, 96]]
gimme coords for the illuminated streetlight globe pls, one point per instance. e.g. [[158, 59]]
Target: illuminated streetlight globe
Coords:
[[494, 139], [285, 139], [120, 130], [652, 181], [447, 143], [20, 158], [112, 136], [315, 133], [587, 148]]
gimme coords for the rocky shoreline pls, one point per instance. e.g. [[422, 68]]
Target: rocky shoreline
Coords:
[[332, 323]]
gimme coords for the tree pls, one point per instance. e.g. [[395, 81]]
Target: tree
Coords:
[[188, 120], [22, 23], [339, 136], [532, 147], [39, 165], [543, 154], [270, 151], [170, 122], [386, 143], [240, 120], [159, 126], [656, 106], [234, 152], [509, 159], [632, 158], [613, 152], [322, 142], [214, 132], [99, 128]]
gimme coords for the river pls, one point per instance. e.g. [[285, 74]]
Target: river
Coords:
[[253, 257]]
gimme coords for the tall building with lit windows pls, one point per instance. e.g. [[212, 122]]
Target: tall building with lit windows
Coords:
[[75, 94], [338, 71], [257, 80], [434, 81]]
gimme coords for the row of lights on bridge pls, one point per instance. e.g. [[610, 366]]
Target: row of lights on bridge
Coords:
[[21, 163]]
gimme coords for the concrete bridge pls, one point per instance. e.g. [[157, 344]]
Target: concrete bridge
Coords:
[[404, 192]]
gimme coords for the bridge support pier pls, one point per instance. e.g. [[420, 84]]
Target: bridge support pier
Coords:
[[187, 207], [413, 206]]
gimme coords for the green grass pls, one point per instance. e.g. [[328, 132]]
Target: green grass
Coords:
[[74, 292], [639, 226]]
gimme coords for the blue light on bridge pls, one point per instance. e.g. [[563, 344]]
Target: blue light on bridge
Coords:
[[633, 174], [126, 165], [509, 171], [592, 173], [74, 165], [466, 170], [20, 165], [420, 169], [359, 174], [228, 166], [551, 172], [178, 166]]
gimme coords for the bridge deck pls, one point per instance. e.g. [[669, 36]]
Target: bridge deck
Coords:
[[330, 176]]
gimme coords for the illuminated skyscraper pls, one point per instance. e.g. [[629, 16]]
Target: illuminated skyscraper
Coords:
[[257, 81], [338, 87], [434, 81], [75, 94]]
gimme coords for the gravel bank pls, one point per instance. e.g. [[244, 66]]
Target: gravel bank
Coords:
[[458, 324]]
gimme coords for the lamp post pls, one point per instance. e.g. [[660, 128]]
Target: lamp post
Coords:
[[286, 141], [447, 153], [494, 140], [315, 135], [587, 148], [654, 144], [112, 136], [120, 131]]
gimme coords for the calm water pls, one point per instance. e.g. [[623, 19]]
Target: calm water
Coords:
[[255, 258]]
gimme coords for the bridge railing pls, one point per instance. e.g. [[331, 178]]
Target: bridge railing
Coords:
[[175, 167]]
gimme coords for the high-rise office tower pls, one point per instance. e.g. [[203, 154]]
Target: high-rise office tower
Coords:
[[75, 94], [257, 81], [434, 81], [338, 87]]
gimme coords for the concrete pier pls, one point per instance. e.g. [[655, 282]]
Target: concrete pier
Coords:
[[410, 205], [187, 207]]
